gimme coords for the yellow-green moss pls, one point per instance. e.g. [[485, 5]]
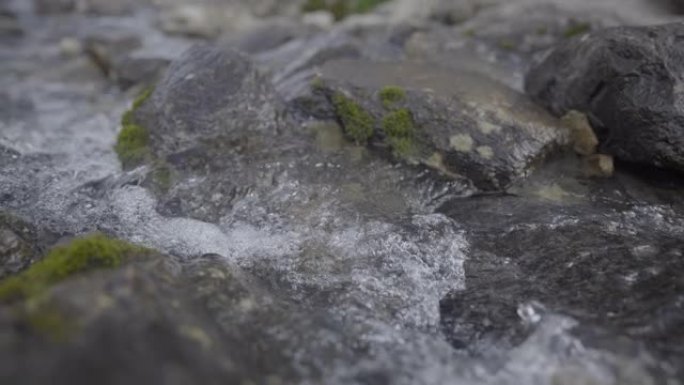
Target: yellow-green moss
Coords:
[[132, 145], [81, 255], [576, 29], [132, 142], [358, 124], [142, 98], [340, 9], [400, 130], [391, 95]]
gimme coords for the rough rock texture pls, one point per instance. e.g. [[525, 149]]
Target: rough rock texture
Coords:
[[206, 95], [487, 133], [146, 314], [20, 244], [629, 81]]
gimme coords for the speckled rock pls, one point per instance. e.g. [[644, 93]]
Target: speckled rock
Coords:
[[629, 81], [462, 124]]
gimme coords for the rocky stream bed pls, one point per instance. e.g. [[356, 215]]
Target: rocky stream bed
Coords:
[[342, 192]]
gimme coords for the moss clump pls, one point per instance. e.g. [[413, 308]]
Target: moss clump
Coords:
[[400, 130], [142, 98], [81, 255], [391, 95], [358, 123], [132, 142], [340, 9], [132, 145], [576, 29]]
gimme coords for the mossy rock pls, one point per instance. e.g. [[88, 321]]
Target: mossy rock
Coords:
[[81, 255]]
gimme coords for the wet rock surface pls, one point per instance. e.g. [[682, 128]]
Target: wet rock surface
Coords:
[[462, 124], [628, 80], [305, 231]]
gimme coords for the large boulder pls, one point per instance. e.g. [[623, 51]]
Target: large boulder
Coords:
[[629, 80], [462, 124]]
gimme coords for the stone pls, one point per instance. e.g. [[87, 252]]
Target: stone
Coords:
[[599, 166], [207, 94], [628, 80], [584, 140], [21, 244], [461, 124], [141, 312]]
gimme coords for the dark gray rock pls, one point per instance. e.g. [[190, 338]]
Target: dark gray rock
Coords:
[[141, 313], [206, 95], [20, 244], [629, 81], [461, 124]]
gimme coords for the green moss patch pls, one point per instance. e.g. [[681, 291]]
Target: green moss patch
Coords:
[[358, 124], [81, 255], [391, 95], [340, 9], [400, 130], [132, 144]]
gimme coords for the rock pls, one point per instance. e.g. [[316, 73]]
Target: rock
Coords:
[[140, 311], [458, 123], [628, 80], [599, 166], [206, 95], [21, 243], [582, 135]]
